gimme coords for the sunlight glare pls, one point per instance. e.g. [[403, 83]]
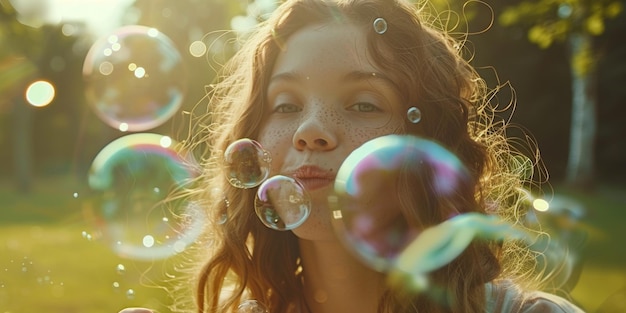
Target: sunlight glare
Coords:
[[40, 93]]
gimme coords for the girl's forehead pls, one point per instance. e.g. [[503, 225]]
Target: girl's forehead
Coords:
[[324, 46]]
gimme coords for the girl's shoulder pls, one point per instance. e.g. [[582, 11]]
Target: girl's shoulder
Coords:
[[505, 297]]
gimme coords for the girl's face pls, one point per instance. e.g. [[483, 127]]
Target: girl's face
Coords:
[[325, 99]]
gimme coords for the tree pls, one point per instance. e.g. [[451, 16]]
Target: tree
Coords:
[[574, 22], [16, 68]]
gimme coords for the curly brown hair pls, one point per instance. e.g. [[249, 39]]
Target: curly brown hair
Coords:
[[242, 258]]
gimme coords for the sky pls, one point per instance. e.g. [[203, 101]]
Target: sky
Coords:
[[100, 16]]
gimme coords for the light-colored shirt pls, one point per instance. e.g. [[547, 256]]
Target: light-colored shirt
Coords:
[[506, 297]]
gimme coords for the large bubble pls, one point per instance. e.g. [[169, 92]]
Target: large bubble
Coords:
[[398, 205], [135, 78], [132, 179], [383, 188]]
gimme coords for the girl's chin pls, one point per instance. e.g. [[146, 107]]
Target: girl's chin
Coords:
[[318, 225]]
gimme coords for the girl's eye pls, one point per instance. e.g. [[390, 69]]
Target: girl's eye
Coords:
[[287, 108], [364, 107]]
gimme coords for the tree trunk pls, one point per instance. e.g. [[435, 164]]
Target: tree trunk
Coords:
[[22, 143], [580, 165]]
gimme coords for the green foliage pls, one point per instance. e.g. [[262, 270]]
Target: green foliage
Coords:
[[15, 66], [550, 21]]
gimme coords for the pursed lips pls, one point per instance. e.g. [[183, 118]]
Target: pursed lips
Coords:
[[313, 177]]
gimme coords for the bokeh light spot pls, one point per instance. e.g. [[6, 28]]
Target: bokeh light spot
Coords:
[[40, 93], [541, 205], [197, 48]]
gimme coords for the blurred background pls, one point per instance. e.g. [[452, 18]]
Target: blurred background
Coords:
[[77, 130]]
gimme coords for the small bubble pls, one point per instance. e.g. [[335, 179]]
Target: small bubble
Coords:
[[130, 294], [222, 218], [380, 25], [414, 115], [121, 269], [247, 163], [282, 203], [75, 195]]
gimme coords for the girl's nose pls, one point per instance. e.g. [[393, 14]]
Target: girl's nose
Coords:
[[315, 134]]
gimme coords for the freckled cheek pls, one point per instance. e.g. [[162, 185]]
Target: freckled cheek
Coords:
[[359, 135], [277, 141]]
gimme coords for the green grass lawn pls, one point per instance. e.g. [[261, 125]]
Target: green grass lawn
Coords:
[[48, 265], [52, 268], [604, 271]]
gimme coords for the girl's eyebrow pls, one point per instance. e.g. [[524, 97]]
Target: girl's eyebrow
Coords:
[[356, 75], [285, 77], [368, 75]]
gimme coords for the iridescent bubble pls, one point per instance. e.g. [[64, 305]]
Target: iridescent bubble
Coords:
[[282, 203], [439, 245], [252, 306], [135, 78], [388, 190], [132, 178], [247, 164], [380, 25], [414, 115]]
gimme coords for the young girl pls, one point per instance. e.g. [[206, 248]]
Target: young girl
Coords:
[[313, 83]]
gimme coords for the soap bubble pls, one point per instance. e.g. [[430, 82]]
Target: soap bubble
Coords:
[[248, 165], [414, 115], [439, 245], [135, 78], [282, 203], [387, 188], [252, 306], [380, 25], [132, 178]]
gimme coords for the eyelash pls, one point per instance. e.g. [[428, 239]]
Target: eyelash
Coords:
[[371, 107], [292, 108], [281, 108]]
